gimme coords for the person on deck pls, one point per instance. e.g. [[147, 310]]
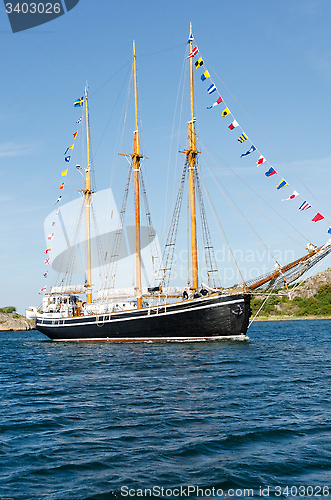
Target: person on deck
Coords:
[[185, 294], [203, 291]]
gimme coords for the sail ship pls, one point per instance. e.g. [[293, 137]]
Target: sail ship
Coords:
[[160, 312]]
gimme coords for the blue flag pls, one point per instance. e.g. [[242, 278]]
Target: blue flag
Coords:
[[270, 172], [252, 148], [211, 89]]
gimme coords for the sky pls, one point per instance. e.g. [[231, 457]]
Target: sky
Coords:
[[271, 62]]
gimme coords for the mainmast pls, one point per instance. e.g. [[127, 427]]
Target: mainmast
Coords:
[[87, 192], [136, 165], [191, 156]]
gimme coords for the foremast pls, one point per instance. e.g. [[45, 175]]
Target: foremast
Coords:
[[191, 158], [88, 192]]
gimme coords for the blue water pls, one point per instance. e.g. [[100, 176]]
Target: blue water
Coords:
[[102, 421]]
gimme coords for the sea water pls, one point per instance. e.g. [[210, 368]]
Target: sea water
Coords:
[[221, 419]]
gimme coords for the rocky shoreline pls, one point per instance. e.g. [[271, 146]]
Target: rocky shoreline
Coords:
[[289, 318], [13, 322]]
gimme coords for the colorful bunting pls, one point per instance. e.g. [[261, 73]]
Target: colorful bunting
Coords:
[[219, 100], [270, 172], [233, 125], [193, 53], [242, 138], [79, 102], [282, 184], [199, 63], [317, 217], [252, 148], [211, 89], [260, 161], [304, 206], [293, 195], [205, 76]]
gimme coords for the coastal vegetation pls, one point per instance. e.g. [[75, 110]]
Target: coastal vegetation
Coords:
[[280, 305], [7, 310]]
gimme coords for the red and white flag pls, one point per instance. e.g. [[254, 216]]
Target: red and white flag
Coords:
[[43, 289], [51, 236], [293, 195], [193, 53], [219, 100], [233, 125], [260, 161], [47, 261]]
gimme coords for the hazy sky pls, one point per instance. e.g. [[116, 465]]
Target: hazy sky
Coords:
[[271, 62]]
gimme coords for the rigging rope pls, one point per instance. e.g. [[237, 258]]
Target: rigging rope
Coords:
[[272, 208], [222, 232]]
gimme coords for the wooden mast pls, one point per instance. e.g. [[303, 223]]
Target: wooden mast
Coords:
[[136, 164], [88, 192], [191, 159]]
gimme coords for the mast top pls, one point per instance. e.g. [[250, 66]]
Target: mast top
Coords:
[[190, 37]]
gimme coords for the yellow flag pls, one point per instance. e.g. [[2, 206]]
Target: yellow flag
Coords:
[[71, 147], [64, 172], [225, 112]]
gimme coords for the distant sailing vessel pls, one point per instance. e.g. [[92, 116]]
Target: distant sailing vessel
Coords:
[[159, 312]]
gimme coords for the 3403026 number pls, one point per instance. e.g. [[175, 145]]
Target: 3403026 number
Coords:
[[33, 8]]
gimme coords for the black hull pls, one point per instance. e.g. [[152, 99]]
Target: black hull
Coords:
[[203, 318]]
